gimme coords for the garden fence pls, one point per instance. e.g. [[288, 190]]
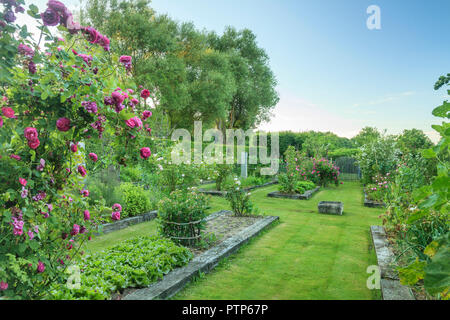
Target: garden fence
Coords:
[[348, 168]]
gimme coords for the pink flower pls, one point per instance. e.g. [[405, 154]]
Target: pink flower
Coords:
[[34, 144], [8, 112], [25, 50], [134, 122], [3, 286], [145, 153], [1, 121], [30, 133], [30, 234], [115, 216], [146, 114], [145, 94], [82, 171], [93, 35], [50, 17], [117, 97], [87, 215], [126, 61], [117, 207], [23, 181], [63, 124], [40, 267], [85, 193], [75, 230], [74, 147], [93, 157]]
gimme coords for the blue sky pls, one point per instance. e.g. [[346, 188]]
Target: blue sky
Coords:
[[334, 74]]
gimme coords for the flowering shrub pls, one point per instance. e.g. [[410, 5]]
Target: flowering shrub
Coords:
[[239, 200], [51, 100], [180, 216], [379, 189], [300, 168]]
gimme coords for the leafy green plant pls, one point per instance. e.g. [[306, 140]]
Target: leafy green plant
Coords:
[[303, 186], [181, 216], [131, 174], [239, 200], [135, 200], [134, 263]]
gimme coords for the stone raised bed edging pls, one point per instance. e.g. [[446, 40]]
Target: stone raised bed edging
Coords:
[[391, 288], [224, 193], [372, 204], [124, 223], [307, 195], [178, 278]]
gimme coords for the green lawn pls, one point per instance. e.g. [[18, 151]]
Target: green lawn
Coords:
[[306, 256]]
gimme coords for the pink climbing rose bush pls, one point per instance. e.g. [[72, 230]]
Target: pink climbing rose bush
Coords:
[[55, 95]]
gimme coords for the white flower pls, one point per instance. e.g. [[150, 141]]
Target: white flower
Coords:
[[160, 167]]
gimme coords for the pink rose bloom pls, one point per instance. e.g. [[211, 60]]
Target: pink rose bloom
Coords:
[[131, 91], [145, 153], [75, 230], [34, 144], [82, 171], [93, 157], [23, 181], [145, 94], [130, 123], [30, 234], [3, 286], [87, 215], [74, 147], [1, 121], [115, 216], [126, 61], [117, 207], [85, 193], [63, 124], [146, 114], [8, 112], [117, 97], [40, 267], [137, 122], [134, 101]]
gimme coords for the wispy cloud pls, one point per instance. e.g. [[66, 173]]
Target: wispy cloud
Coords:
[[385, 99]]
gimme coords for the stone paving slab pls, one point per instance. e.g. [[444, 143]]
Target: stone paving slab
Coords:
[[178, 278], [307, 195], [391, 288]]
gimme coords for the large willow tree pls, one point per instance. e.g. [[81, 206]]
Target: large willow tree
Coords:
[[224, 81]]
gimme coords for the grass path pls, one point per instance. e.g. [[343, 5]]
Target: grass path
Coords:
[[306, 256]]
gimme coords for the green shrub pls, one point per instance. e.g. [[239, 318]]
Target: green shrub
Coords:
[[240, 200], [131, 174], [180, 216], [133, 263], [135, 200], [303, 186]]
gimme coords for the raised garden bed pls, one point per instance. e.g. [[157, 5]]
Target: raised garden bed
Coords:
[[305, 196], [122, 224], [224, 193], [391, 288], [232, 232], [372, 204]]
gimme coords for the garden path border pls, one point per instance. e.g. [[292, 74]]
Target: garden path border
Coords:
[[224, 193], [175, 280], [391, 288], [305, 196]]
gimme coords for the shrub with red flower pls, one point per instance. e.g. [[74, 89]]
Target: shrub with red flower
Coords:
[[55, 98]]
